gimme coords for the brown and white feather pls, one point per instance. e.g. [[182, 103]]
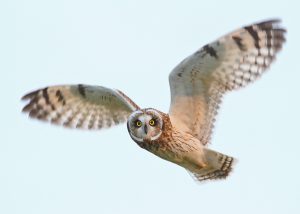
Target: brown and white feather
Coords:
[[233, 61], [79, 106]]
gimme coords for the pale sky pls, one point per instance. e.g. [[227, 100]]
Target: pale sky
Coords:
[[132, 46]]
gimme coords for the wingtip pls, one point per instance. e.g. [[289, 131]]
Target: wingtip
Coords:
[[270, 21], [29, 95], [26, 108]]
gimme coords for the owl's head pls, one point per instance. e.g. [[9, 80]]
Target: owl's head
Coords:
[[145, 124]]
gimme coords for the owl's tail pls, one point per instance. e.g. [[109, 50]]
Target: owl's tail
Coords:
[[218, 166]]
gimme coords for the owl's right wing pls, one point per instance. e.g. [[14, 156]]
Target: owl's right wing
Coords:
[[79, 106], [231, 62]]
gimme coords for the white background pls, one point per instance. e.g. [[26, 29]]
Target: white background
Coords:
[[132, 46]]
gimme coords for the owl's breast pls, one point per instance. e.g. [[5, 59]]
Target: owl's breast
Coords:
[[173, 146], [161, 147]]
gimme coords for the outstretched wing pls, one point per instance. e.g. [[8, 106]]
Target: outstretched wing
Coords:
[[231, 62], [79, 106]]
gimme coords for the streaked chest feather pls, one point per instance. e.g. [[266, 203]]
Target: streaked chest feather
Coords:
[[173, 146]]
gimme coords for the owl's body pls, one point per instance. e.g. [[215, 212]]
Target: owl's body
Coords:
[[179, 147], [197, 86]]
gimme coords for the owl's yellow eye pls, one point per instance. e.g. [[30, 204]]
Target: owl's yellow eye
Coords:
[[152, 122], [138, 123]]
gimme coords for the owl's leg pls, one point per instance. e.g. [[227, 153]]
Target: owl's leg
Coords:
[[217, 166]]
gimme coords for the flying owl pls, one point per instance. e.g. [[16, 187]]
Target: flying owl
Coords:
[[197, 85]]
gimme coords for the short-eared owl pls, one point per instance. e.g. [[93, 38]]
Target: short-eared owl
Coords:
[[197, 86]]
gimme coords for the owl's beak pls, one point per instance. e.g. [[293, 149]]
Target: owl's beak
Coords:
[[145, 129]]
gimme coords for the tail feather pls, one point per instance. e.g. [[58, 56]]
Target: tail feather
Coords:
[[218, 166]]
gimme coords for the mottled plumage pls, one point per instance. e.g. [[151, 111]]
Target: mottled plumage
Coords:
[[79, 106], [197, 85]]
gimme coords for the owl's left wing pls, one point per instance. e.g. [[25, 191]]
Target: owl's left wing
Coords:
[[79, 106], [231, 62]]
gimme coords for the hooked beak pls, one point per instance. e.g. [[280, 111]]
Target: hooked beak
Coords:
[[146, 129]]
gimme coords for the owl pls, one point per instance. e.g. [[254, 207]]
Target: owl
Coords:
[[197, 86]]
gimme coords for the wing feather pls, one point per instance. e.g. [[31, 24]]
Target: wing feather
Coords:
[[79, 106], [233, 61]]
